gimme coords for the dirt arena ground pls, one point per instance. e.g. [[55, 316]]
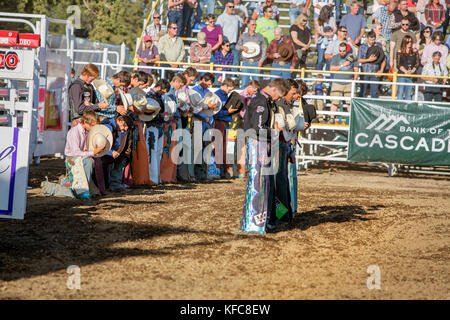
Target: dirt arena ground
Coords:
[[181, 241]]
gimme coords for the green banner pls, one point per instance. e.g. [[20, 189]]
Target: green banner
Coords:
[[399, 132]]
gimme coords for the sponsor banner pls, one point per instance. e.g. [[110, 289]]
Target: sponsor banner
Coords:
[[399, 132], [14, 151], [16, 64]]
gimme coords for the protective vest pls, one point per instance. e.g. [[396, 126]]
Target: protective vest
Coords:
[[88, 95]]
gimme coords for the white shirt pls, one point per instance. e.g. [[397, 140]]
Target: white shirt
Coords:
[[321, 3]]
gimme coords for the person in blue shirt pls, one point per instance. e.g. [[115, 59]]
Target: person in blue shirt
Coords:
[[115, 161], [221, 123]]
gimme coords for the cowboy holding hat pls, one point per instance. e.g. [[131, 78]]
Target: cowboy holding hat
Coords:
[[282, 51]]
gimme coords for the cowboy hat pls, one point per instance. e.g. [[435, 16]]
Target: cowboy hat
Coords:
[[170, 105], [138, 97], [151, 109], [195, 100], [103, 88], [234, 100], [285, 51], [253, 50], [295, 123], [279, 118], [211, 97], [126, 99], [99, 136]]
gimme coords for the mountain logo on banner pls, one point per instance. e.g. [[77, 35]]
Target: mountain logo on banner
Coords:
[[385, 120]]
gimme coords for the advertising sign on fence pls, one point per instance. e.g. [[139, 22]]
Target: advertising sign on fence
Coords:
[[14, 146], [399, 132]]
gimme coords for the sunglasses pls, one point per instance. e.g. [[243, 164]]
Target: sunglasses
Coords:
[[427, 31], [345, 31], [405, 24], [226, 45], [156, 17], [174, 28], [230, 7]]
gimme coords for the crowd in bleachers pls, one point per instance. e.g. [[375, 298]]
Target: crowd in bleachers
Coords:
[[251, 34]]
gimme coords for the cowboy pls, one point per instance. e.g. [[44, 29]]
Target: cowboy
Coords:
[[81, 94], [253, 50], [282, 51], [120, 80], [257, 124], [115, 161], [79, 162], [154, 129]]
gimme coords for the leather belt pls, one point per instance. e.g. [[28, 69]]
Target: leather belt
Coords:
[[251, 60], [298, 6]]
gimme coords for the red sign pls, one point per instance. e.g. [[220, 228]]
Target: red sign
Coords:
[[9, 38], [14, 39], [29, 40], [8, 60]]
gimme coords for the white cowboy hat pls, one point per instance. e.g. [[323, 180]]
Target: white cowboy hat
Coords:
[[151, 109], [299, 120], [211, 97], [126, 99], [182, 96], [99, 136], [103, 88], [253, 50], [138, 97], [195, 100], [170, 105]]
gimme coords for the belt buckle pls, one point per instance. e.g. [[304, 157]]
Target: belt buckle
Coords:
[[281, 63]]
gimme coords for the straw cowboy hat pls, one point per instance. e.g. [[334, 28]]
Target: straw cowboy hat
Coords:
[[286, 51], [195, 100], [138, 97], [126, 99], [103, 88], [170, 105], [280, 117], [99, 136], [151, 109], [211, 97], [253, 50], [295, 123]]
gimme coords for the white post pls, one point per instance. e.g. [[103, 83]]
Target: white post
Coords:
[[104, 62], [123, 52]]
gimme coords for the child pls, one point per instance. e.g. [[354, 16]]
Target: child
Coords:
[[319, 90], [115, 161]]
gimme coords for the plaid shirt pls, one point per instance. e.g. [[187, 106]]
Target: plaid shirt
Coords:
[[433, 14], [367, 67], [383, 17], [273, 48], [220, 59], [110, 112]]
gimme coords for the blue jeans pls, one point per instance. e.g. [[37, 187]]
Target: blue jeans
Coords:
[[246, 79], [236, 55], [337, 5], [404, 89], [320, 57], [210, 4], [373, 86], [282, 74], [294, 12], [176, 16]]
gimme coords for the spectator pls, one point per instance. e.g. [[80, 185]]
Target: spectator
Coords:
[[377, 4], [372, 59], [319, 90], [425, 39], [408, 63], [171, 47], [298, 7], [396, 40], [420, 7], [224, 56], [147, 56], [188, 19], [378, 28], [435, 68], [355, 23], [282, 51], [383, 14], [266, 25], [200, 51], [155, 30], [333, 47], [214, 33], [301, 36], [175, 13], [435, 15], [325, 31], [447, 17], [435, 45], [402, 12], [258, 13], [343, 61], [210, 7], [318, 5], [231, 25], [248, 59], [241, 11]]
